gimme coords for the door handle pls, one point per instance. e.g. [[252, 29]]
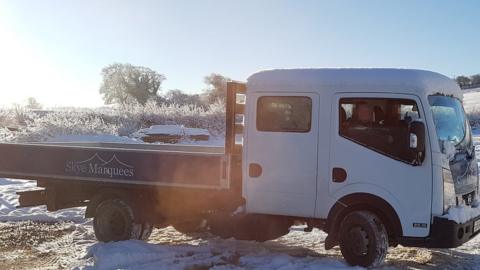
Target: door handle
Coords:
[[339, 175], [254, 170]]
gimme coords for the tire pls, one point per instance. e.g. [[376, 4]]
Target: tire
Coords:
[[114, 220], [363, 239]]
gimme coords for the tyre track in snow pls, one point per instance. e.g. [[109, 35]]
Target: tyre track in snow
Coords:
[[36, 245]]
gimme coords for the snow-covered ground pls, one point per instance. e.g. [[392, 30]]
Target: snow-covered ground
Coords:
[[471, 99], [64, 239], [167, 248], [34, 238]]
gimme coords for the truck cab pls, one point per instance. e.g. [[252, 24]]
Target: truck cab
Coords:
[[344, 148]]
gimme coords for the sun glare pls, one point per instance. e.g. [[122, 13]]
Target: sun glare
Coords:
[[27, 72]]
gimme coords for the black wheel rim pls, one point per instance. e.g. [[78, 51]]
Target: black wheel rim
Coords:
[[358, 241], [114, 224], [117, 223]]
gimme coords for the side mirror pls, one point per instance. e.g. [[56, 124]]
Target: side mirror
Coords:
[[416, 131]]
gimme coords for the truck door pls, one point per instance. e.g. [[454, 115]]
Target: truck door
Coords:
[[281, 153], [370, 154]]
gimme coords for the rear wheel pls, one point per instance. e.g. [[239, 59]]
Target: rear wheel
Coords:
[[363, 239], [115, 221]]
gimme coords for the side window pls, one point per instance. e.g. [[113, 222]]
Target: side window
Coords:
[[381, 124], [284, 114]]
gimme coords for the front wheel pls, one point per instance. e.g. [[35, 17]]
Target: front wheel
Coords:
[[114, 220], [363, 239]]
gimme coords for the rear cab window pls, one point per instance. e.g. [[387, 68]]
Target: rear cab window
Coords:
[[284, 114]]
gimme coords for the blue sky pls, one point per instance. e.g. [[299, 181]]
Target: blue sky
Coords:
[[54, 50]]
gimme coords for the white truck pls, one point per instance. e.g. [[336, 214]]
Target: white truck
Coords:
[[374, 157]]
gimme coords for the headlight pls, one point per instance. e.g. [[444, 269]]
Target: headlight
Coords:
[[449, 197]]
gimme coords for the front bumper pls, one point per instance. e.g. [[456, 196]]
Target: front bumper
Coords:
[[445, 233]]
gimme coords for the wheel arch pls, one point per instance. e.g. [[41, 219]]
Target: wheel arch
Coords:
[[102, 195], [364, 201], [141, 202]]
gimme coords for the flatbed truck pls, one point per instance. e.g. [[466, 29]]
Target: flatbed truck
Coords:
[[373, 157]]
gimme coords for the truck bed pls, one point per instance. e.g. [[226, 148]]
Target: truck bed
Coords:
[[138, 164]]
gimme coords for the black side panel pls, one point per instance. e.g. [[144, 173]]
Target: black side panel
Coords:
[[30, 161]]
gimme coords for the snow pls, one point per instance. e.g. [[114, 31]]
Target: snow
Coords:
[[212, 254], [212, 141], [471, 99], [196, 132], [169, 133], [9, 200], [93, 138], [178, 130], [165, 130], [461, 214]]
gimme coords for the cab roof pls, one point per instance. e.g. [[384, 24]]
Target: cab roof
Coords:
[[393, 80]]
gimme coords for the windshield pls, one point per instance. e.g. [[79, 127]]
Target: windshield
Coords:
[[450, 120]]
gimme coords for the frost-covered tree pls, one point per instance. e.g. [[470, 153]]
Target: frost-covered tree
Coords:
[[463, 81], [216, 87], [475, 79], [32, 103], [121, 81], [179, 97]]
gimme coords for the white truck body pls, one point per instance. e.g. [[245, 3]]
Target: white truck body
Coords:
[[297, 167]]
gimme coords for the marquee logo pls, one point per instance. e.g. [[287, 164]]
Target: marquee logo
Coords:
[[97, 166]]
